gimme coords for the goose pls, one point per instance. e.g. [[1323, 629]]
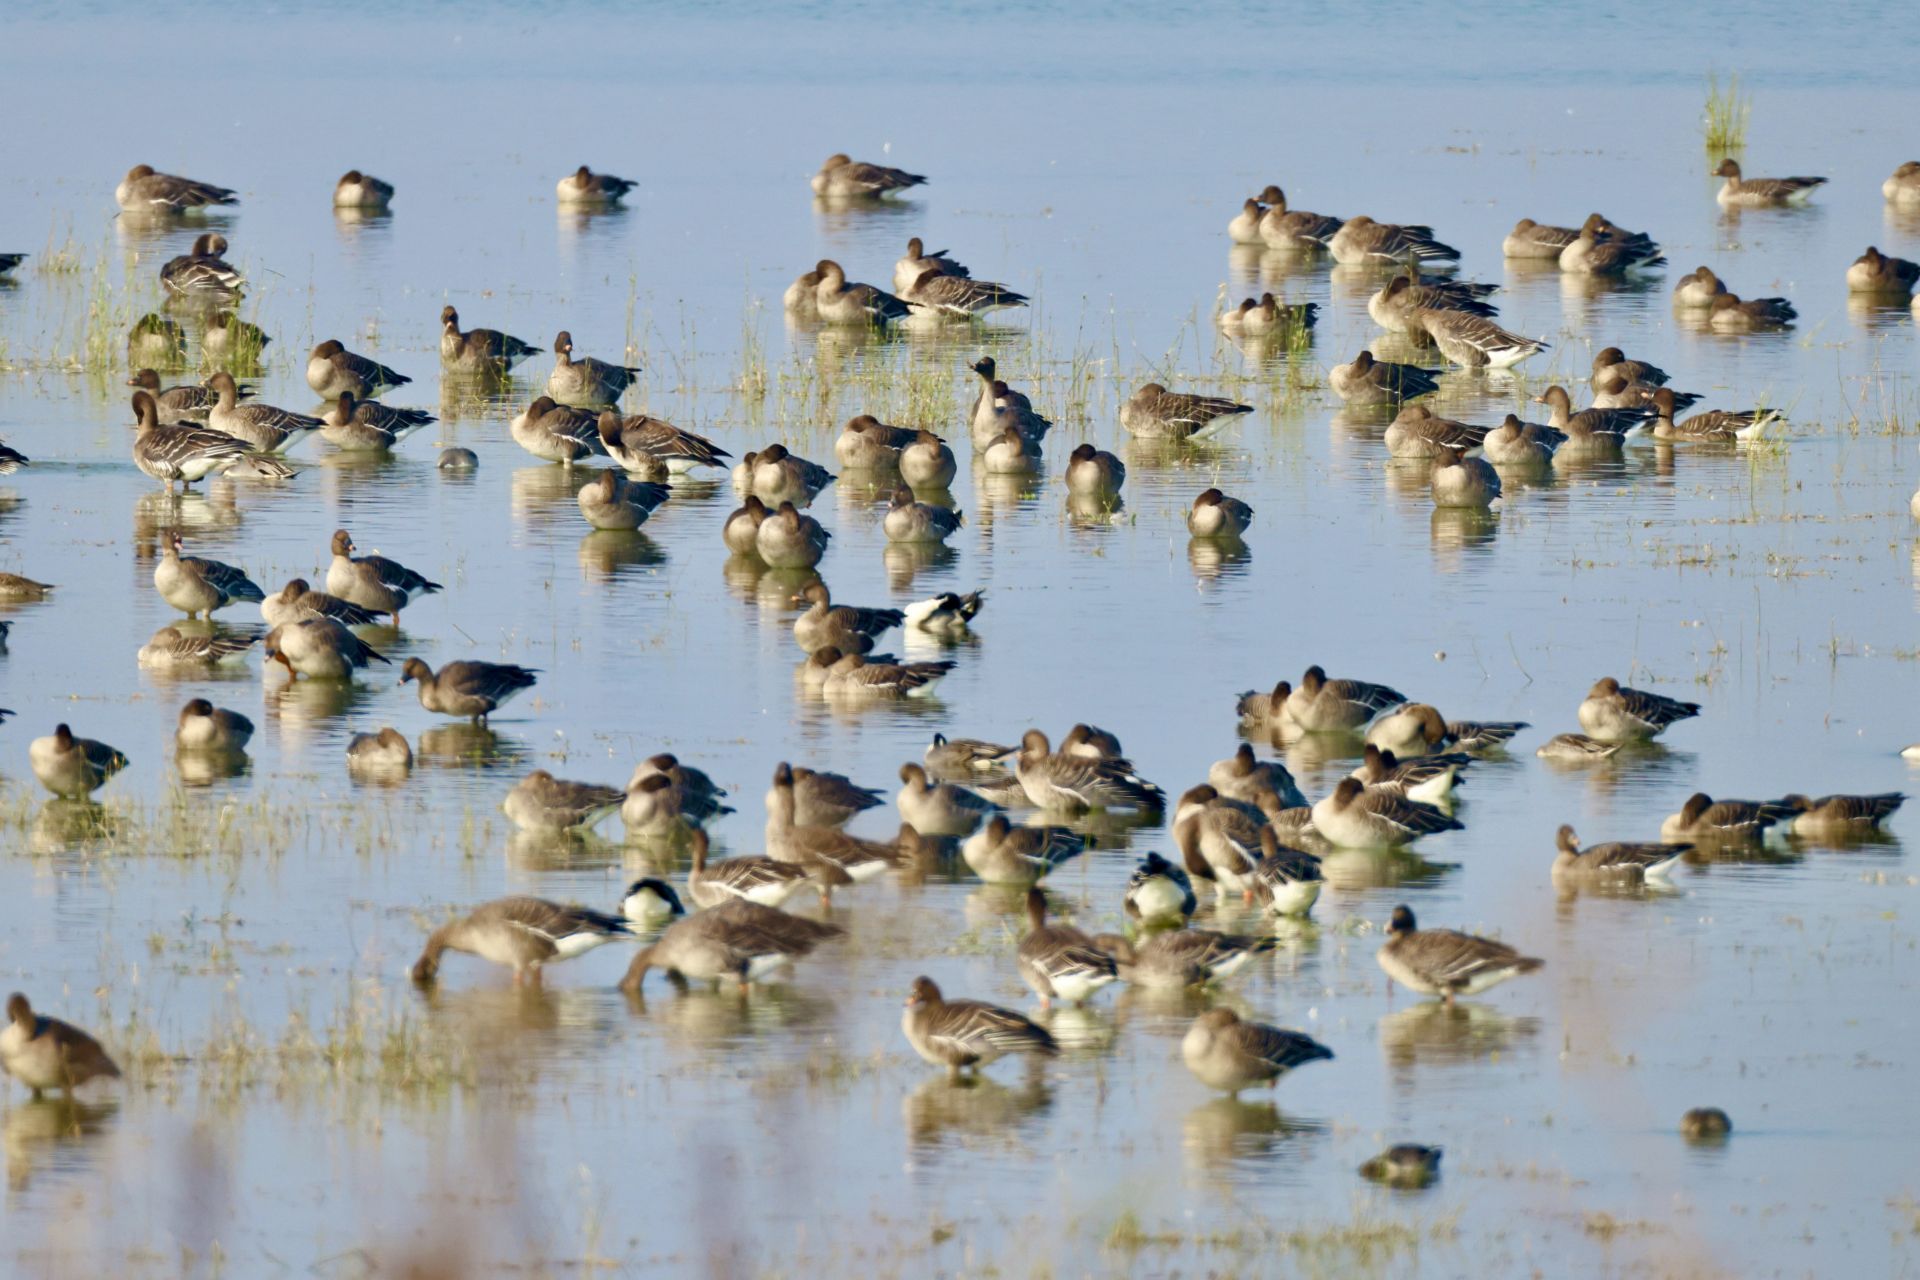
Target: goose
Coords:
[[1269, 316], [909, 520], [72, 768], [844, 177], [1874, 272], [1172, 960], [697, 793], [1712, 424], [741, 532], [297, 601], [742, 940], [852, 675], [1294, 230], [1354, 817], [542, 802], [1830, 814], [1285, 881], [1219, 841], [1705, 1125], [1428, 778], [1595, 254], [555, 432], [145, 191], [999, 405], [1704, 818], [1059, 961], [229, 338], [1761, 191], [205, 727], [318, 648], [1075, 784], [156, 340], [584, 187], [801, 297], [196, 586], [454, 458], [642, 445], [1012, 454], [202, 272], [169, 647], [1367, 381], [1611, 362], [611, 501], [15, 587], [1615, 862], [1446, 963], [964, 757], [866, 443], [939, 808], [377, 753], [373, 582], [837, 302], [755, 878], [1530, 239], [1591, 425], [1732, 314], [847, 627], [1698, 289], [1158, 892], [1155, 413], [357, 190], [1611, 391], [522, 933], [1612, 712], [175, 405], [829, 854], [1416, 432], [367, 426], [263, 427], [1521, 444], [1244, 227], [780, 476], [1416, 729], [468, 689], [1230, 1055], [653, 808], [1091, 742], [946, 614], [587, 381], [1403, 295], [959, 297], [45, 1053], [1001, 853], [1215, 515], [1362, 240], [927, 463], [1267, 711], [1320, 705], [1474, 342], [1903, 187], [1576, 748], [484, 351], [788, 539], [917, 262], [824, 799], [1407, 1164], [1241, 777], [332, 370], [1094, 471], [958, 1034]]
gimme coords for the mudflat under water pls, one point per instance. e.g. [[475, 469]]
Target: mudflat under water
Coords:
[[240, 943]]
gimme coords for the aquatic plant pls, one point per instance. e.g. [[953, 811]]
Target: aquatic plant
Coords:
[[1724, 124]]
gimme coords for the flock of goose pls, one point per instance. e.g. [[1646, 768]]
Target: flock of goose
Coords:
[[1007, 812]]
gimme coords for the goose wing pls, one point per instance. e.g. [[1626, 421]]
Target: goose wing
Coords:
[[1655, 708], [1277, 1047], [394, 575], [966, 1027], [961, 295], [1448, 958], [1621, 854], [1869, 808], [1408, 815], [665, 441], [552, 921]]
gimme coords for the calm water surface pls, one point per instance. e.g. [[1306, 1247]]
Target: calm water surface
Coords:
[[294, 1105]]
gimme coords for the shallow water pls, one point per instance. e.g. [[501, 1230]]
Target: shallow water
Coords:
[[241, 945]]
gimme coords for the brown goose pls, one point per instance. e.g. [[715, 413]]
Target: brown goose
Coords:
[[585, 187], [72, 768], [1002, 853], [1155, 413], [1417, 729], [1446, 963], [1698, 288], [1733, 314], [1711, 424], [1361, 240], [1428, 778], [367, 426], [145, 191], [741, 532], [1841, 813], [1230, 1055], [790, 539], [1269, 316], [1242, 777], [957, 1034], [741, 940], [1286, 881], [1704, 818], [1615, 861], [611, 501], [202, 272], [45, 1053], [830, 855], [1354, 817], [1474, 342], [1092, 471], [332, 370], [845, 177], [1761, 191], [1074, 783], [373, 582], [755, 878], [156, 340], [959, 297], [1416, 432], [1320, 705], [1612, 712], [265, 428], [1875, 272], [483, 351], [318, 648], [939, 808], [1266, 711], [1367, 381], [1058, 960], [1294, 229], [1610, 425], [1521, 444], [205, 727], [521, 933], [837, 302], [186, 403], [846, 627], [1594, 253], [555, 432], [1903, 187], [1404, 294], [542, 802], [910, 520], [195, 586], [470, 689], [927, 462], [586, 381], [825, 799], [357, 190], [1174, 959], [169, 647], [641, 444], [999, 406], [918, 262]]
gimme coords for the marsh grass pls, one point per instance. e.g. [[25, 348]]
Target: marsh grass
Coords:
[[1724, 123]]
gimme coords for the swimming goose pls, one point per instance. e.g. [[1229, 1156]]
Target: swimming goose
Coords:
[[854, 676], [788, 539], [202, 271], [964, 757], [1530, 239], [1355, 817], [1830, 814], [1426, 777], [1443, 962], [318, 648], [144, 190], [939, 808], [1612, 712], [486, 351], [385, 752], [1576, 748], [699, 795], [1402, 295], [1365, 380], [1320, 705], [367, 426], [1611, 391], [824, 799], [585, 187], [1241, 777], [927, 463], [1521, 444], [72, 768], [741, 532], [196, 586], [739, 939], [297, 601], [999, 405], [831, 855], [1155, 413], [1705, 1125], [1294, 229], [1244, 226], [357, 190], [522, 933], [1416, 432], [1269, 316], [542, 802], [1762, 191], [1591, 425], [264, 427], [1470, 340], [228, 338], [1012, 454], [1698, 289], [1704, 818], [1259, 710], [1712, 424], [469, 689], [556, 432], [15, 587], [1002, 853], [1229, 1054], [1616, 861], [1406, 1164], [779, 476], [332, 370], [957, 1034], [45, 1053], [186, 403], [587, 381], [909, 520], [1733, 314], [1159, 893], [1074, 783], [1058, 960], [373, 582], [838, 302], [1874, 272], [1094, 471], [156, 340], [946, 614], [866, 442], [847, 627], [1903, 187], [611, 501], [653, 808], [801, 297], [841, 176], [753, 878], [1595, 254], [1612, 362], [11, 459], [1362, 240], [170, 647], [1285, 881], [1416, 729], [1172, 960], [918, 262], [959, 297]]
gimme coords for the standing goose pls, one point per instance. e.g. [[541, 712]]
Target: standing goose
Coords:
[[1712, 424], [1286, 881], [838, 302], [202, 272], [611, 501], [587, 381], [1404, 294], [297, 602], [1294, 229], [1704, 818], [264, 427], [825, 799], [1058, 960], [333, 370], [845, 177], [1228, 1054], [939, 808], [1762, 191], [698, 795], [542, 802], [585, 188], [145, 191], [1158, 892], [957, 1034], [72, 768], [654, 808], [1094, 472], [1614, 862], [790, 539], [910, 520], [524, 934], [1362, 240], [1171, 960], [1074, 783], [1591, 425], [357, 190], [174, 405], [196, 586], [959, 297], [1875, 272], [170, 648], [1155, 413], [1612, 712], [1903, 187], [829, 854], [998, 406], [1593, 253], [847, 627], [205, 727], [1474, 342], [1732, 314], [45, 1053], [754, 878], [642, 444], [318, 648], [1241, 777], [740, 939], [469, 689], [1428, 778], [1215, 515], [483, 351], [927, 463], [1320, 705], [1218, 840], [1367, 381], [918, 263], [556, 432], [1829, 815], [367, 426], [373, 582], [741, 532], [1002, 853], [1354, 817], [1442, 962], [1698, 289], [1417, 432], [156, 340], [1521, 444]]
